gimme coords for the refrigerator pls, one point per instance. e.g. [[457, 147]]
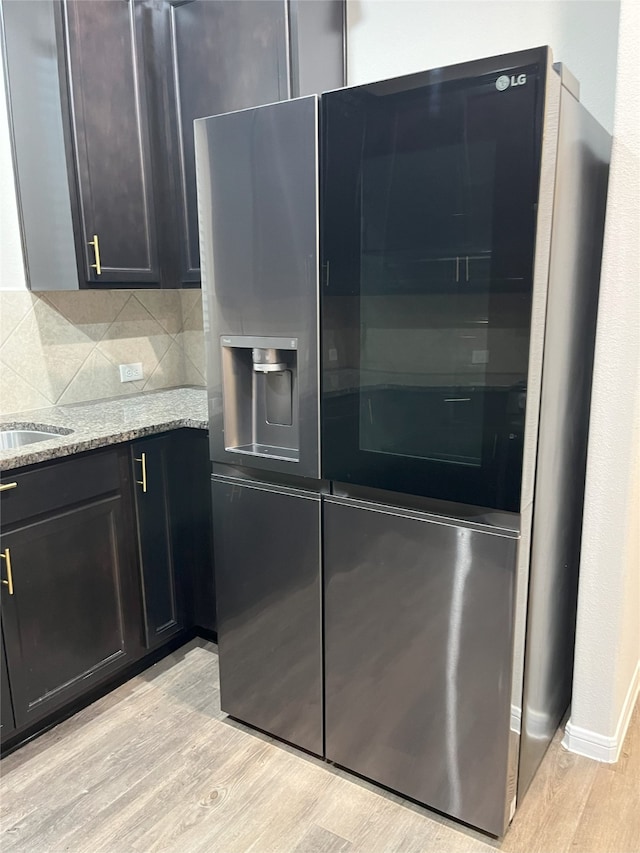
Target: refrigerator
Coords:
[[401, 285]]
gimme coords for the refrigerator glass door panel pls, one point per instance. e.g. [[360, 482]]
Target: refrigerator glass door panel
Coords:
[[429, 198], [267, 561], [418, 632]]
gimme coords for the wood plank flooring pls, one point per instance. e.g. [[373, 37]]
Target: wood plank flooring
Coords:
[[156, 766]]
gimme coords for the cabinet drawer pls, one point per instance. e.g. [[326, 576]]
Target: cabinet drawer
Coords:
[[50, 487]]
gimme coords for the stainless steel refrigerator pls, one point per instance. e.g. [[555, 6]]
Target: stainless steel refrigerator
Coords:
[[401, 284]]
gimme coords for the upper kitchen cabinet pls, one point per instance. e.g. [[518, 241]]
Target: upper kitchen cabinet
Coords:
[[109, 146], [240, 50], [37, 135], [102, 98], [226, 55]]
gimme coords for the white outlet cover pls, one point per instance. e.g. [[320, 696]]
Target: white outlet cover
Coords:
[[131, 372]]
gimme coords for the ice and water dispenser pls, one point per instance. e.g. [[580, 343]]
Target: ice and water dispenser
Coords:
[[260, 396]]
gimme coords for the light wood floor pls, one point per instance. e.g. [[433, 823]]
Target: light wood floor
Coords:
[[155, 766]]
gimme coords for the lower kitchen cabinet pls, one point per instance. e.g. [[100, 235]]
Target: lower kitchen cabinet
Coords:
[[70, 609], [174, 533], [162, 593], [7, 724], [106, 560], [267, 555], [192, 531]]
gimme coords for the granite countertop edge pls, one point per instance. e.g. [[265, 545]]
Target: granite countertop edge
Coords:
[[105, 422]]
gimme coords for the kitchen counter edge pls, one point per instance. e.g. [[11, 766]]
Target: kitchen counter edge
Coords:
[[100, 423]]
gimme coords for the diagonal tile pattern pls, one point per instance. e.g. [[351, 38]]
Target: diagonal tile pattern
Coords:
[[65, 347], [166, 307], [15, 306], [193, 342], [135, 335], [91, 311], [15, 391], [171, 364]]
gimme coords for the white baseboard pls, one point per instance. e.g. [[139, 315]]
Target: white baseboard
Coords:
[[602, 747]]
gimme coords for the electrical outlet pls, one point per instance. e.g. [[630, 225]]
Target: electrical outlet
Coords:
[[131, 372]]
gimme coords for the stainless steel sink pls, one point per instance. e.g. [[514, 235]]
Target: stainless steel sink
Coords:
[[12, 438]]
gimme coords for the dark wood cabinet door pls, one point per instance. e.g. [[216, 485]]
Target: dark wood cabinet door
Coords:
[[7, 724], [224, 55], [69, 621], [190, 488], [161, 586], [107, 101]]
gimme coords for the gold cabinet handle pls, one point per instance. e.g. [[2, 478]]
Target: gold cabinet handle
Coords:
[[96, 249], [143, 461], [6, 555], [4, 487]]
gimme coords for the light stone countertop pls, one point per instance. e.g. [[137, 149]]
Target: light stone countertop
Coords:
[[103, 422]]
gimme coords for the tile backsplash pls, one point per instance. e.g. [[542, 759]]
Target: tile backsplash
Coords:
[[65, 346]]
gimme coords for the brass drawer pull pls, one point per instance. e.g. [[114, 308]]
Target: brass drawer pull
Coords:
[[6, 555], [96, 248], [4, 487], [143, 460]]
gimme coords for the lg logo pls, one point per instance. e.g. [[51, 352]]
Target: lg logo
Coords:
[[504, 81]]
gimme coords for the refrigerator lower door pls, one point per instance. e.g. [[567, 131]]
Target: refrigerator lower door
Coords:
[[268, 583], [418, 645]]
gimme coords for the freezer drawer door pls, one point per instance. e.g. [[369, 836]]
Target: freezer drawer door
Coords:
[[418, 635], [267, 564]]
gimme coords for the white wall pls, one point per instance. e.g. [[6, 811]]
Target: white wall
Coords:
[[390, 37], [608, 630], [12, 275]]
